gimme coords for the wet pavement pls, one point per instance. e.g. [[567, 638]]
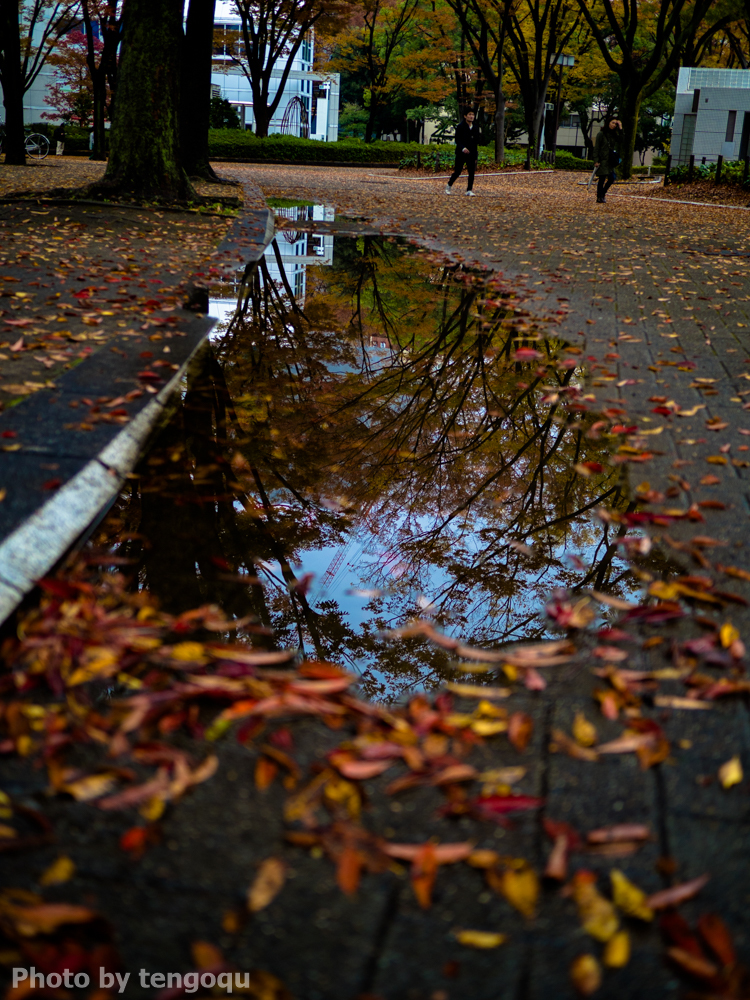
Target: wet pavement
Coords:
[[379, 433]]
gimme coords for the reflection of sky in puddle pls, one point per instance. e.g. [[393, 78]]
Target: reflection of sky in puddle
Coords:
[[322, 375], [298, 249]]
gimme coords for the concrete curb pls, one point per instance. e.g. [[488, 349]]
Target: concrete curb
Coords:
[[43, 537]]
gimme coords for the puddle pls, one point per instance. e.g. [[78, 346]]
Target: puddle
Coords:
[[371, 437]]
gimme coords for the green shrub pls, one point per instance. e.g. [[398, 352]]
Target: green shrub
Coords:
[[567, 161], [732, 172], [246, 145]]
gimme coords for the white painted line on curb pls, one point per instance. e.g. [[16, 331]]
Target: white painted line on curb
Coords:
[[677, 201]]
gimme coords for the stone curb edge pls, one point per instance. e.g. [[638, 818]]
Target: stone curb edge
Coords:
[[30, 551]]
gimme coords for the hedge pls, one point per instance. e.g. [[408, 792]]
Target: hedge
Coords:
[[231, 144]]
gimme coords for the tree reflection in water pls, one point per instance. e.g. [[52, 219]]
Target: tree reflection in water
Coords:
[[383, 433]]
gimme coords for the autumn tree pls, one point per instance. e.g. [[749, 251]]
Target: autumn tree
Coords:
[[71, 96], [271, 34], [29, 31], [642, 44], [370, 46]]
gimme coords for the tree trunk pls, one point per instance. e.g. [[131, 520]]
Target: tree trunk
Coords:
[[144, 157], [631, 107], [500, 123], [369, 133], [99, 81], [195, 95], [12, 81]]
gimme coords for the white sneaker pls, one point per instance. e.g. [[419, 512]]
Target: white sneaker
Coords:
[[448, 189], [470, 194]]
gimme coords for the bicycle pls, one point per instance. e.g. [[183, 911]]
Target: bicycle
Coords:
[[35, 144]]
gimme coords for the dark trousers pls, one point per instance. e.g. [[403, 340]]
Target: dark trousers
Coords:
[[463, 161], [605, 183]]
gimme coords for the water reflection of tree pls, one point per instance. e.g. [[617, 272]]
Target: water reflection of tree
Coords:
[[440, 454]]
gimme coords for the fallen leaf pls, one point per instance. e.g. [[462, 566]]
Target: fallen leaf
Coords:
[[586, 975], [61, 870], [628, 897], [266, 884], [480, 939], [520, 728], [617, 950], [584, 732], [597, 914], [731, 772], [677, 893]]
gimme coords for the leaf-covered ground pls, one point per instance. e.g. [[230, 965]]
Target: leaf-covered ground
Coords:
[[568, 818]]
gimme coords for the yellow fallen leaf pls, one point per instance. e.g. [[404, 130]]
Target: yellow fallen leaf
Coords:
[[728, 634], [586, 975], [58, 872], [187, 651], [153, 809], [716, 459], [617, 951], [598, 915], [480, 939], [521, 889], [266, 885], [584, 732], [489, 727], [731, 773], [628, 897]]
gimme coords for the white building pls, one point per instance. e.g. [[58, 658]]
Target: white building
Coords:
[[712, 115], [309, 105]]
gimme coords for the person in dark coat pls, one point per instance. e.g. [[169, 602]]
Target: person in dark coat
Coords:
[[607, 156], [467, 151]]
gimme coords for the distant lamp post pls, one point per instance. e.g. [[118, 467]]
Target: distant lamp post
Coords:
[[563, 62]]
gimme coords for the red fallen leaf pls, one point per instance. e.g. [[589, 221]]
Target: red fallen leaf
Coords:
[[592, 466], [135, 839], [555, 828], [699, 967], [677, 893], [664, 611], [716, 934], [520, 728], [527, 354], [499, 805], [349, 869], [621, 831], [663, 411], [8, 434], [533, 680], [622, 429], [445, 854], [146, 354], [361, 770], [149, 376], [282, 739], [322, 671], [677, 930], [58, 588]]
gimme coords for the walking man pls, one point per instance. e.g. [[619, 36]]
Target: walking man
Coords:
[[607, 157], [467, 151]]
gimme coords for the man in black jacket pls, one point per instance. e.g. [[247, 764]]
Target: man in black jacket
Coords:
[[467, 142]]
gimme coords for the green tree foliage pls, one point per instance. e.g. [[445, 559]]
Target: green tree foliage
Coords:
[[223, 115]]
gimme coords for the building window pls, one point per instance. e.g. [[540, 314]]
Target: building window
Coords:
[[696, 100], [731, 122]]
